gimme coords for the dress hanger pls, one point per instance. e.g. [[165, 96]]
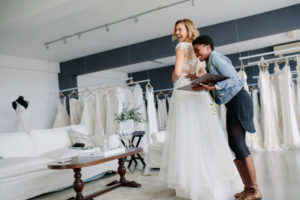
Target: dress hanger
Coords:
[[263, 63], [87, 90], [61, 94], [161, 94], [73, 92], [242, 67], [149, 85], [131, 82], [287, 62], [170, 92]]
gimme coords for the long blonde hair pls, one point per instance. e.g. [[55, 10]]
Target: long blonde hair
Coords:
[[193, 33]]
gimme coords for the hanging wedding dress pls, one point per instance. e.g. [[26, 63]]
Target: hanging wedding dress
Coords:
[[23, 122], [136, 100], [290, 126], [99, 119], [269, 119], [277, 99], [151, 112], [75, 111], [197, 161], [62, 118], [111, 100], [88, 114], [254, 140], [162, 113], [298, 81]]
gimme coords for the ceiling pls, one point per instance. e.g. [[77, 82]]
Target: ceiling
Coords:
[[25, 25]]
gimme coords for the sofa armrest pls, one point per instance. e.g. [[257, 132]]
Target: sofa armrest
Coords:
[[158, 137]]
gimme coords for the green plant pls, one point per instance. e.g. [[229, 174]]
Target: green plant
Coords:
[[127, 114]]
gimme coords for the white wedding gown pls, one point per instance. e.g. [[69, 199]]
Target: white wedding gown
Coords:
[[23, 122], [75, 111], [269, 119], [151, 112], [100, 112], [62, 118], [88, 114], [197, 161], [162, 113], [298, 81], [290, 126]]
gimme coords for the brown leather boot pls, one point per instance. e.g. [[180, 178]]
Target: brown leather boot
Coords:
[[238, 166], [251, 191]]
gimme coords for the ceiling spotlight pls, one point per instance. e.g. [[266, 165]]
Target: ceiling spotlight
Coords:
[[79, 35], [193, 3], [107, 28], [65, 40], [47, 46], [135, 20]]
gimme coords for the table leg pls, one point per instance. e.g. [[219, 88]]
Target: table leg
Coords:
[[78, 184], [122, 172], [123, 182]]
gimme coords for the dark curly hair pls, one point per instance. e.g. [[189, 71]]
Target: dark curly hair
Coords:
[[204, 39]]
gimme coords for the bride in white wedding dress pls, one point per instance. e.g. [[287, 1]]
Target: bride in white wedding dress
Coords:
[[197, 161]]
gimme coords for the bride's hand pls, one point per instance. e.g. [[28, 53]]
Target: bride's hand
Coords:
[[191, 76]]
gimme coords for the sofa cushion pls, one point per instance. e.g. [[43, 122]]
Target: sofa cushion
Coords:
[[10, 167], [46, 140], [77, 137], [80, 128], [16, 145], [158, 137]]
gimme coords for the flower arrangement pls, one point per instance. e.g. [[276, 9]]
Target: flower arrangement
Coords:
[[126, 120], [128, 114]]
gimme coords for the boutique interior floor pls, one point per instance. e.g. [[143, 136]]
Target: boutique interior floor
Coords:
[[278, 175]]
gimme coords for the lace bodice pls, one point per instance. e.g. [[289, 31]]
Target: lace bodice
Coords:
[[191, 63]]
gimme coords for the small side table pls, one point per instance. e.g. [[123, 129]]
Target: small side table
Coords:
[[134, 157]]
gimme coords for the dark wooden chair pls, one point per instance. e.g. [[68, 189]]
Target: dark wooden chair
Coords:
[[135, 157]]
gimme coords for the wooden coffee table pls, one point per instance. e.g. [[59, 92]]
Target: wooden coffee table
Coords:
[[76, 163]]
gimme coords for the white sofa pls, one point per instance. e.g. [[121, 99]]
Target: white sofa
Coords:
[[155, 150], [23, 166]]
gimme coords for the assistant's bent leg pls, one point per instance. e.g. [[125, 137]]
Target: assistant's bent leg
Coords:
[[237, 142]]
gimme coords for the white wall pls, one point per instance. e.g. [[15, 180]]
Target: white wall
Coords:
[[33, 79], [100, 78]]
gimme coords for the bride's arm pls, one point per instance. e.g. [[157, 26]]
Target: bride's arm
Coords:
[[202, 70], [178, 64]]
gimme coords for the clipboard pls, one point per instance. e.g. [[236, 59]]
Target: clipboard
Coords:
[[207, 79]]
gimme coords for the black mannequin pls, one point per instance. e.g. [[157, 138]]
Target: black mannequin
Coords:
[[20, 101]]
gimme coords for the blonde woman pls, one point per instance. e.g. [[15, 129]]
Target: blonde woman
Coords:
[[197, 161]]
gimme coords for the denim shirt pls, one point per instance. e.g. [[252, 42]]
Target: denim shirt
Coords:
[[227, 89]]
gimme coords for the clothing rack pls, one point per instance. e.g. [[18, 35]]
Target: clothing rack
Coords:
[[294, 79], [167, 89], [75, 88], [269, 53], [143, 81], [269, 61], [256, 77]]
